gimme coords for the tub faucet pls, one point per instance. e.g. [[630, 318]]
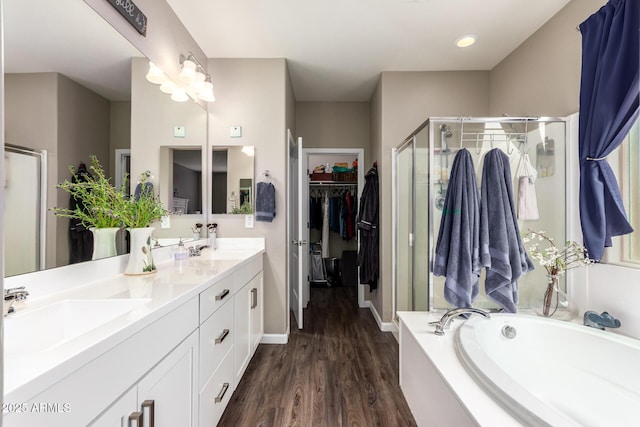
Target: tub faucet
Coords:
[[444, 322], [12, 295]]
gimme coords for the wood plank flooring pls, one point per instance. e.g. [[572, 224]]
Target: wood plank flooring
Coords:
[[338, 371]]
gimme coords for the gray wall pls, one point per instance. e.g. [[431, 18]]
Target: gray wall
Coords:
[[119, 132], [256, 95], [401, 102], [71, 123]]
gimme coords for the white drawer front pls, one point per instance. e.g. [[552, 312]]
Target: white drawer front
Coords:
[[214, 297], [216, 394], [216, 339], [247, 272]]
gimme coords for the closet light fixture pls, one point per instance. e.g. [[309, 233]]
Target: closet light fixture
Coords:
[[466, 40]]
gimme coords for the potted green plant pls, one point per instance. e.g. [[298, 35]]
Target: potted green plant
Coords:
[[97, 206]]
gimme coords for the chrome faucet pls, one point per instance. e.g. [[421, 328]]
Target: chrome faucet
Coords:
[[12, 295], [446, 319], [195, 250]]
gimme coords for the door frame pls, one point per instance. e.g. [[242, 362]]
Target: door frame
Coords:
[[357, 153]]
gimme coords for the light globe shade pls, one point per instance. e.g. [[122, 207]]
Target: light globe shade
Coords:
[[188, 73], [155, 74], [206, 94], [179, 95], [168, 87], [198, 85]]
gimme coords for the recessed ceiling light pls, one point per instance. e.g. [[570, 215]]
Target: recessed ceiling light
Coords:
[[466, 40]]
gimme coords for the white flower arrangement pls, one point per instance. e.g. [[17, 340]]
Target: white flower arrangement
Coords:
[[556, 261]]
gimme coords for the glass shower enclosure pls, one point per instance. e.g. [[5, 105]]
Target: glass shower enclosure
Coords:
[[422, 165]]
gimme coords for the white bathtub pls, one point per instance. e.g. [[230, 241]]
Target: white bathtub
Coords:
[[553, 373]]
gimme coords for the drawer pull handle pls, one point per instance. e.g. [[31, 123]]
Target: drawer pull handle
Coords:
[[254, 298], [135, 419], [149, 404], [222, 336], [222, 295], [220, 395]]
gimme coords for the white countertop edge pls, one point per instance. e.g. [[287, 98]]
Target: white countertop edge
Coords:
[[440, 351], [47, 374]]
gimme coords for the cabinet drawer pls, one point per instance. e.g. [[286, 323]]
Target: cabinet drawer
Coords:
[[216, 339], [215, 396], [214, 297], [247, 272]]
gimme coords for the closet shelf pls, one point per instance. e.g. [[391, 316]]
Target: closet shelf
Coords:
[[330, 183]]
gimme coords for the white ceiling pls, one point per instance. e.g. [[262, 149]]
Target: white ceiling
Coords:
[[337, 48]]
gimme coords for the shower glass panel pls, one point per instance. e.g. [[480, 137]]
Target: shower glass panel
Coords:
[[404, 223], [423, 163]]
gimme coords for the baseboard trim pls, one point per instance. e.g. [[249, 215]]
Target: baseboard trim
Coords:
[[383, 326], [274, 339]]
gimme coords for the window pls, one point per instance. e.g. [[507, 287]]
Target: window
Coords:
[[629, 179]]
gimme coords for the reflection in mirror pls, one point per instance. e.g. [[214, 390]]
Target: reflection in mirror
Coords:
[[184, 166], [232, 179], [67, 96]]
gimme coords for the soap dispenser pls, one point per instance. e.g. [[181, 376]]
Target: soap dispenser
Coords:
[[181, 253]]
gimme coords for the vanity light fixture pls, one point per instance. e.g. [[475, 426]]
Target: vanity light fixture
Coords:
[[193, 73], [466, 40], [179, 95], [155, 74]]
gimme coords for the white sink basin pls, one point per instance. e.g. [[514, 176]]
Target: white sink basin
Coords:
[[44, 328]]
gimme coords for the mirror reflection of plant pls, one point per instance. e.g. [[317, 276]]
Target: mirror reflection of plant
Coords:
[[246, 208], [141, 209], [99, 204]]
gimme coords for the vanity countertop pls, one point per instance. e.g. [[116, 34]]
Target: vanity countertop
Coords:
[[51, 336]]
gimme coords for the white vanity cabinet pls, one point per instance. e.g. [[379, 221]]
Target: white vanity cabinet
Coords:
[[100, 390], [232, 326], [165, 395]]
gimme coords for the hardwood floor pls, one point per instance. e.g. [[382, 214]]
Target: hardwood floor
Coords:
[[338, 371]]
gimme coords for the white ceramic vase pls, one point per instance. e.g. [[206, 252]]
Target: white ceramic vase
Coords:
[[140, 256], [104, 242]]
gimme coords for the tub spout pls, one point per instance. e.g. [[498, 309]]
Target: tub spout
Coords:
[[444, 322]]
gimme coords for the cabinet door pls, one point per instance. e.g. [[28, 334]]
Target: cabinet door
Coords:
[[172, 387], [257, 322], [118, 414], [242, 320]]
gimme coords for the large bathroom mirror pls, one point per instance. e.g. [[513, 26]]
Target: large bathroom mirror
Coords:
[[232, 180], [67, 97], [181, 172]]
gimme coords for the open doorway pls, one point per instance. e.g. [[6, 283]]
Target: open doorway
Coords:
[[329, 209]]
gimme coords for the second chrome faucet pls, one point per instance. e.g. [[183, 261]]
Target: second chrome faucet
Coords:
[[446, 319]]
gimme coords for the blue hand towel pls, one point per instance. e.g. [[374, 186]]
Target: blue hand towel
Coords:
[[457, 249], [501, 249], [265, 201]]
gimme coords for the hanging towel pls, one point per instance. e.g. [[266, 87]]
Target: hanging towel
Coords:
[[265, 201], [457, 248], [501, 249], [527, 200]]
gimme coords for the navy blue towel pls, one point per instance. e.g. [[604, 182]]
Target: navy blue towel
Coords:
[[265, 202], [457, 249], [501, 248]]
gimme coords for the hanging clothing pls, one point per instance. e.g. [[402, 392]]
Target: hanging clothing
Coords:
[[80, 238], [458, 246], [368, 254], [325, 227], [501, 248]]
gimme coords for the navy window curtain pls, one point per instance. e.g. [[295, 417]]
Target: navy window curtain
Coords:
[[609, 95]]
